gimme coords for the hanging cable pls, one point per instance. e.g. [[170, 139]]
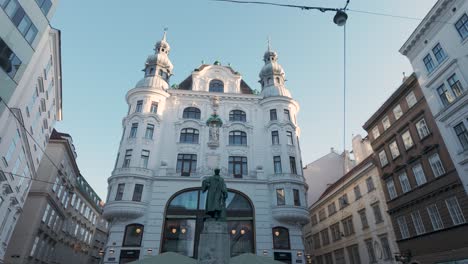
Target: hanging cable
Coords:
[[394, 16], [32, 179]]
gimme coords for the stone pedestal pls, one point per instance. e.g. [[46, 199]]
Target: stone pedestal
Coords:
[[214, 245]]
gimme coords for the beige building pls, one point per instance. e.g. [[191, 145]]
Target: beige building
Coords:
[[349, 223], [61, 212]]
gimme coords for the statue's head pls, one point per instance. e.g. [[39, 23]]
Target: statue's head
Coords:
[[216, 171]]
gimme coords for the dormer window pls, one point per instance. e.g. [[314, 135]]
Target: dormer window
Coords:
[[216, 86]]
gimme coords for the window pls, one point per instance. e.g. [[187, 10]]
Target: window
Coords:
[[281, 238], [335, 231], [238, 166], [462, 135], [394, 149], [370, 251], [287, 116], [20, 19], [435, 217], [11, 62], [383, 158], [133, 235], [407, 140], [46, 213], [289, 137], [139, 106], [430, 65], [411, 99], [348, 227], [455, 212], [189, 135], [339, 256], [439, 53], [119, 193], [237, 115], [392, 194], [419, 174], [343, 201], [292, 165], [331, 209], [377, 213], [133, 130], [237, 138], [455, 85], [363, 216], [418, 223], [353, 254], [397, 112], [405, 184], [44, 5], [386, 123], [56, 184], [191, 113], [462, 26], [445, 95], [421, 126], [297, 197], [186, 164], [33, 249], [144, 158], [357, 192], [328, 258], [149, 131], [375, 132], [316, 239], [280, 199], [274, 137], [277, 164], [273, 115], [128, 157], [404, 232], [322, 215], [325, 237], [216, 86], [314, 219], [137, 192], [436, 165], [387, 252], [370, 184], [154, 108]]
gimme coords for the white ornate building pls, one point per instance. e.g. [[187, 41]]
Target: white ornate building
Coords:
[[175, 136]]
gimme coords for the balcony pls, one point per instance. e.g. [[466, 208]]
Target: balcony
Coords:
[[124, 209], [279, 177], [291, 214], [132, 171]]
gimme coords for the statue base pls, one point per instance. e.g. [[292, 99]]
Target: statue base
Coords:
[[214, 245]]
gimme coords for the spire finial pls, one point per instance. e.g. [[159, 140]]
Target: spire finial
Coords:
[[165, 33], [269, 43]]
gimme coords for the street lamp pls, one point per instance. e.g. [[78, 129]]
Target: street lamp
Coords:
[[340, 18]]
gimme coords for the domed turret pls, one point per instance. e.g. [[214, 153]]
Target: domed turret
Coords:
[[272, 76]]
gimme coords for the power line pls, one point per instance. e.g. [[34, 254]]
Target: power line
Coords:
[[32, 179], [321, 9], [394, 16]]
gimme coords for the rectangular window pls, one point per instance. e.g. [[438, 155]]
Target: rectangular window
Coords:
[[434, 215], [377, 213], [421, 126], [273, 115], [325, 237], [429, 63], [407, 139], [133, 130], [313, 219], [186, 164], [44, 5], [12, 63], [292, 165], [274, 137], [120, 192], [139, 106], [418, 223], [462, 134], [370, 184], [144, 158], [419, 174], [280, 199], [387, 252], [455, 85], [444, 94], [411, 99], [290, 138], [316, 238], [357, 192], [20, 19], [455, 212], [46, 214], [436, 165], [404, 232], [439, 53], [149, 131], [331, 209], [277, 164], [397, 112], [405, 184], [335, 231], [462, 26], [322, 215], [154, 107], [394, 149], [328, 258], [238, 166], [128, 157], [343, 201], [392, 194], [386, 123], [348, 227], [287, 116], [363, 216], [34, 246], [339, 256], [11, 148], [137, 192], [375, 132], [370, 251], [383, 158], [353, 254], [51, 218], [297, 199], [56, 184]]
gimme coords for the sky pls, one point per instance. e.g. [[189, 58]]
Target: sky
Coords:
[[105, 44]]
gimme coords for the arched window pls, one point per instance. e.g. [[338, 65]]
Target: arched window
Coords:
[[133, 235], [217, 86], [192, 113], [189, 135], [237, 138], [237, 115], [281, 238], [184, 223]]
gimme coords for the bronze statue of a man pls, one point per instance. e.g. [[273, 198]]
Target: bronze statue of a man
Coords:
[[216, 198]]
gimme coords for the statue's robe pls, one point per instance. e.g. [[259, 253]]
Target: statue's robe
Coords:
[[217, 194]]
